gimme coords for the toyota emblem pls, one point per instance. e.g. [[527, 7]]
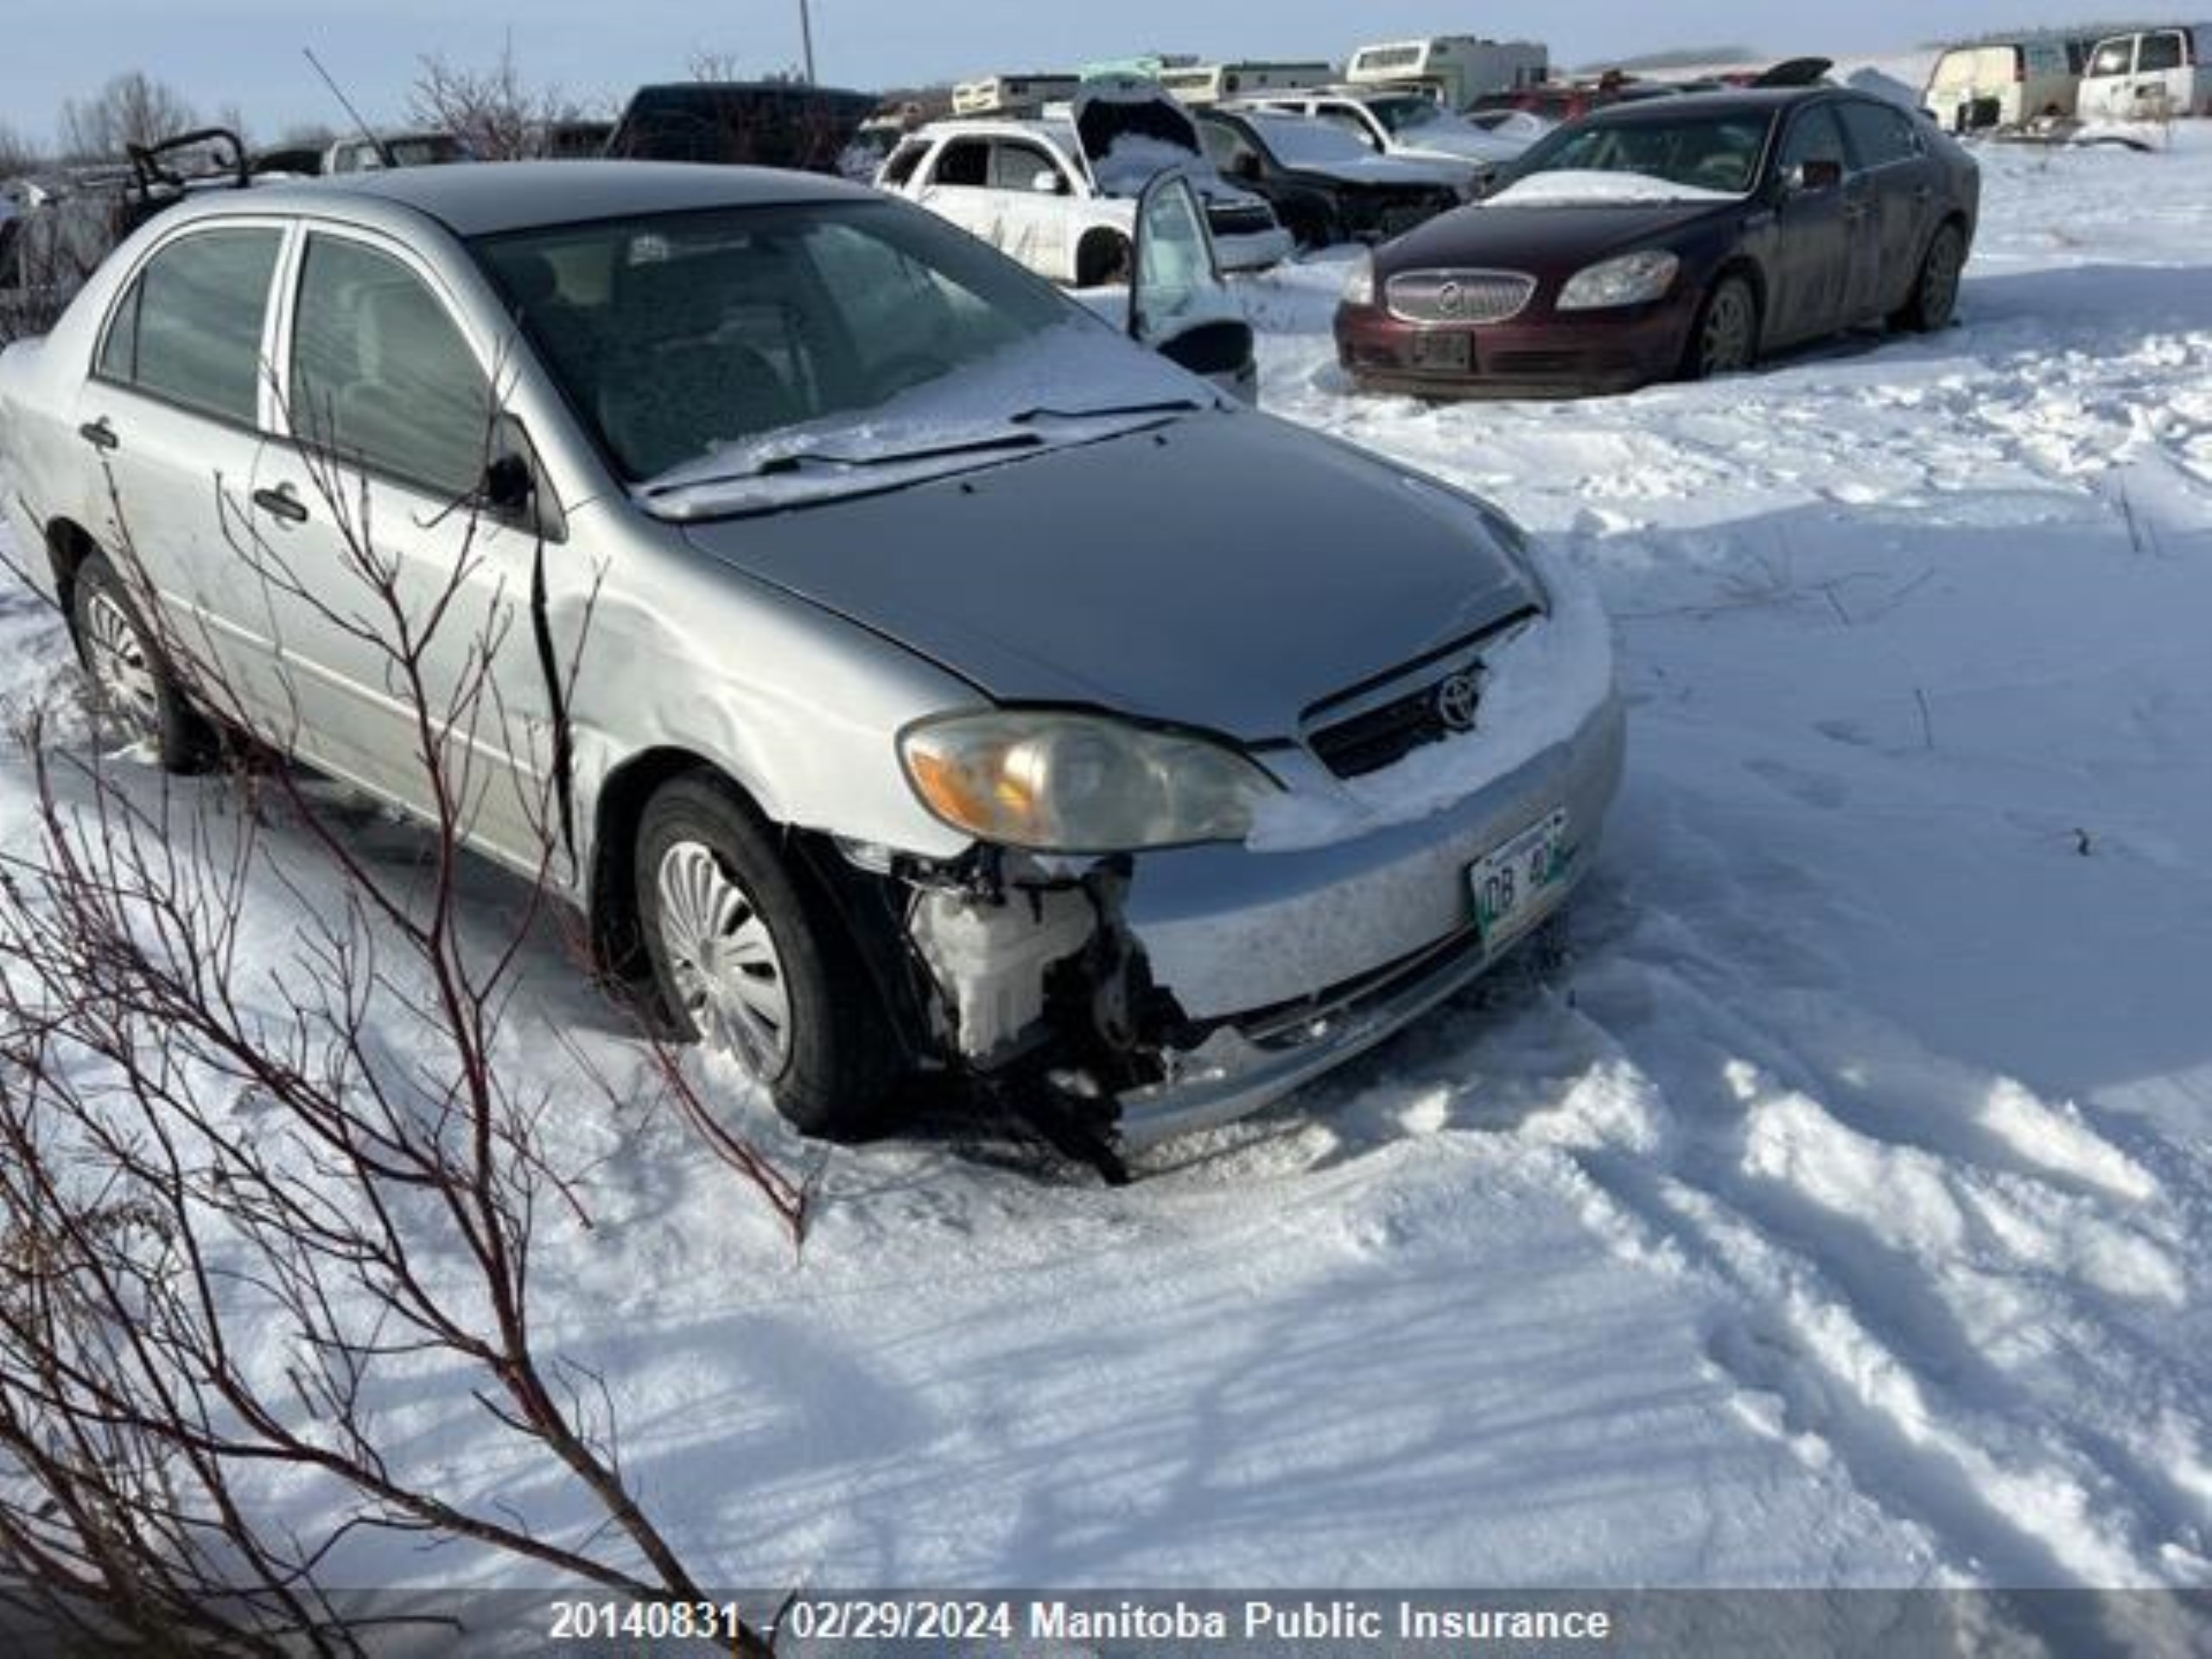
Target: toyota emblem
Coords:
[[1457, 697], [1447, 299]]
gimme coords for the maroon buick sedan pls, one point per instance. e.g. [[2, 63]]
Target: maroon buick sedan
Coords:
[[1684, 236]]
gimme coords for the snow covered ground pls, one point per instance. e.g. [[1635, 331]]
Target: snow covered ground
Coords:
[[1835, 1217]]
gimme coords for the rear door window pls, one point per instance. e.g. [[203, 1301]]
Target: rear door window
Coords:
[[382, 378], [189, 327], [1015, 166]]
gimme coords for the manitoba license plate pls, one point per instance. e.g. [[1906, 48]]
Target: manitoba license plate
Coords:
[[1454, 351], [1509, 882]]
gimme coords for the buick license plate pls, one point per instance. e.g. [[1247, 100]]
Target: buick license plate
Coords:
[[1452, 351], [1509, 883]]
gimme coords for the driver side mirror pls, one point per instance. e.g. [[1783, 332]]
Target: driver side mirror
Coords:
[[1820, 173], [509, 484], [513, 488], [1046, 182]]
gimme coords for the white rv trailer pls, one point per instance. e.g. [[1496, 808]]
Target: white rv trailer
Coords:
[[1210, 83], [1455, 69], [1008, 94]]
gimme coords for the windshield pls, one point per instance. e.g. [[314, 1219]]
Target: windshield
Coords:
[[1298, 142], [680, 336], [1719, 154], [1407, 114]]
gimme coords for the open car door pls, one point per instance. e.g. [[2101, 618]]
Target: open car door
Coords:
[[1179, 305]]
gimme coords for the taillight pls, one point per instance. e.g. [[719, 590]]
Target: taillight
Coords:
[[2019, 68]]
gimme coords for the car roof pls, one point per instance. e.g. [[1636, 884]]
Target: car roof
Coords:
[[1727, 101], [488, 198]]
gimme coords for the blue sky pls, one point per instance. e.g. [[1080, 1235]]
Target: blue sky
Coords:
[[247, 52]]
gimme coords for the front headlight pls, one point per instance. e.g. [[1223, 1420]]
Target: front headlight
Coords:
[[1359, 287], [1632, 279], [1059, 782]]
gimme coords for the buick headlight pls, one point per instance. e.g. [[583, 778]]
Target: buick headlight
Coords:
[[1359, 287], [1632, 279], [1073, 783]]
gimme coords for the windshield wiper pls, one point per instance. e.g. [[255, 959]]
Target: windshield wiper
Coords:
[[1105, 411], [802, 461]]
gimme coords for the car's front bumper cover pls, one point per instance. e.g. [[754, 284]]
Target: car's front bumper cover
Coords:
[[1298, 961]]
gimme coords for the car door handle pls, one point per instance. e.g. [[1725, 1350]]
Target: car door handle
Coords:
[[100, 433], [282, 503]]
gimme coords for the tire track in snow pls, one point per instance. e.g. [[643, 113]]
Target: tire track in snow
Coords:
[[1869, 1273]]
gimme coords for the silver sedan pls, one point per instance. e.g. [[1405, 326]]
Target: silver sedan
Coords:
[[928, 677]]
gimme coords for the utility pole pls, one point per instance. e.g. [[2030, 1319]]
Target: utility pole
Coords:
[[806, 39]]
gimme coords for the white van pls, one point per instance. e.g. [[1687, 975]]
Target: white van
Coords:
[[2149, 74], [2006, 83], [1210, 83], [1455, 69]]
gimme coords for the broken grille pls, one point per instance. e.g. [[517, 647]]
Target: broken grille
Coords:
[[1473, 297]]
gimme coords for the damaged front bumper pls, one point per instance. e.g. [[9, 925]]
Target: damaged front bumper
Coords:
[[1180, 989]]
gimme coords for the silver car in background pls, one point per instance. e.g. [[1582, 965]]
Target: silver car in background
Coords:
[[957, 686]]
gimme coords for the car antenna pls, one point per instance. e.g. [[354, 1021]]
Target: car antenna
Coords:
[[382, 148]]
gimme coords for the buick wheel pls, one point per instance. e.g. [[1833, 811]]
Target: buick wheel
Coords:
[[1726, 340], [135, 698], [1936, 293], [751, 958]]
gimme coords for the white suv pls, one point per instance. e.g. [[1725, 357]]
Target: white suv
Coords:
[[1059, 192]]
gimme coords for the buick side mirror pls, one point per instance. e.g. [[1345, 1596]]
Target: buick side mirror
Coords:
[[1819, 173]]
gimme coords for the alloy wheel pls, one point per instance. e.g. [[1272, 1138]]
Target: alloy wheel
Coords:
[[729, 975], [1731, 321], [1939, 281]]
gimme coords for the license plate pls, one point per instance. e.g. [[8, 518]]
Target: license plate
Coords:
[[1509, 882], [1454, 351]]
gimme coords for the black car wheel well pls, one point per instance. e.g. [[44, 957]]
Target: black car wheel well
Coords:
[[865, 906], [1100, 257], [68, 544]]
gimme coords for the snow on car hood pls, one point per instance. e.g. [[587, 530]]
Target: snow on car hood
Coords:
[[1581, 187], [1225, 571]]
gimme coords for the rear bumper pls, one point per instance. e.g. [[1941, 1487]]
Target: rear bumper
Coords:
[[1302, 959], [1539, 355]]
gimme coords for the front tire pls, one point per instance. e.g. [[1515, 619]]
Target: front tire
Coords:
[[1934, 296], [135, 694], [1725, 340], [750, 958]]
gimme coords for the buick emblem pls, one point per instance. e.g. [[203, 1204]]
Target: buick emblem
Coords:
[[1457, 698], [1447, 299]]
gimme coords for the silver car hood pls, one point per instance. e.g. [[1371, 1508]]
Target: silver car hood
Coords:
[[1226, 571]]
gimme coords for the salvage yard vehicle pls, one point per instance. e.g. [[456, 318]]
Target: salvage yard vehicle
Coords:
[[756, 123], [1210, 83], [1684, 235], [1454, 69], [1325, 186], [1985, 84], [366, 152], [1059, 192], [2151, 74], [1401, 124], [959, 689]]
